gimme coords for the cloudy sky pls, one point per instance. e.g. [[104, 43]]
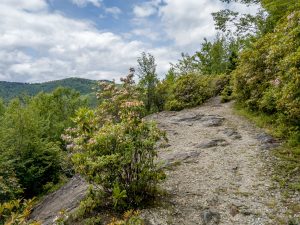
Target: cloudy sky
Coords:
[[42, 40]]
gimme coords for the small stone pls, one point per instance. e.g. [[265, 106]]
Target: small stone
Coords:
[[210, 218], [265, 138], [267, 141], [235, 168], [189, 118], [233, 210], [179, 157], [232, 133], [212, 121], [164, 145], [213, 143]]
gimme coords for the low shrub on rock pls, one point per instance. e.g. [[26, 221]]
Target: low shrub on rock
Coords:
[[113, 147]]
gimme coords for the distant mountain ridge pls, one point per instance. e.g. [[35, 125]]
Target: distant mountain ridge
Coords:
[[9, 90]]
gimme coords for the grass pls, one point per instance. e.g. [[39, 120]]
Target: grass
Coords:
[[287, 165], [261, 120]]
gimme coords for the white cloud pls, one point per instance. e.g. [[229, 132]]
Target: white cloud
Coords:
[[185, 23], [188, 22], [30, 5], [83, 3], [146, 9], [41, 45], [147, 33], [114, 11], [37, 44], [143, 10]]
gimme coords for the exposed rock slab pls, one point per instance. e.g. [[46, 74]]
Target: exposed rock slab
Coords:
[[228, 183], [179, 157], [213, 143], [232, 133], [66, 198], [212, 120], [267, 141]]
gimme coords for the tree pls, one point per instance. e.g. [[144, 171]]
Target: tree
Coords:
[[55, 110], [187, 64], [148, 79], [216, 57], [2, 107], [34, 160], [213, 57], [263, 22], [30, 141]]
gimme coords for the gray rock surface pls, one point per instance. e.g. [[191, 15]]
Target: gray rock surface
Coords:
[[212, 120], [178, 157], [210, 217], [66, 198], [232, 133], [229, 180], [213, 143], [267, 141]]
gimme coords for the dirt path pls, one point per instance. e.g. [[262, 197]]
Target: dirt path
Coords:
[[216, 172]]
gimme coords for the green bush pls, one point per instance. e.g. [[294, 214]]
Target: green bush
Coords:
[[191, 90], [226, 94], [114, 148], [268, 76], [31, 150], [16, 212], [188, 91], [9, 183]]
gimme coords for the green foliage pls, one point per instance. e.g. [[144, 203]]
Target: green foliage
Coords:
[[188, 91], [130, 217], [2, 107], [217, 57], [263, 22], [268, 76], [278, 9], [16, 212], [87, 207], [113, 147], [9, 183], [118, 196], [226, 94], [60, 218], [55, 110], [196, 78], [148, 80], [213, 57], [31, 150], [239, 25]]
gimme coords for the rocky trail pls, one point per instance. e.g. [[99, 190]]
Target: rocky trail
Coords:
[[218, 172]]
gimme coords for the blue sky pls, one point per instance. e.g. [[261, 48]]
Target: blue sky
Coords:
[[42, 40]]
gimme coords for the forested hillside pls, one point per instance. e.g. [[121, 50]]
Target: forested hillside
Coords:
[[9, 90]]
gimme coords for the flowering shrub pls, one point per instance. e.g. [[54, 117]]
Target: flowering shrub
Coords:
[[268, 76], [114, 148]]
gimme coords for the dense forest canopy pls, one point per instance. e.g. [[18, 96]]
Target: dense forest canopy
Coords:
[[10, 90]]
